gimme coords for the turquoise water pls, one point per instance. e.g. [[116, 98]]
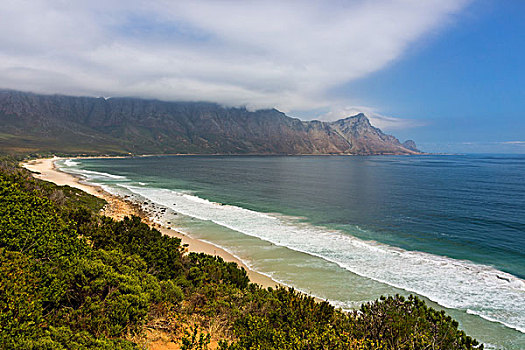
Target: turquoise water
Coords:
[[348, 229]]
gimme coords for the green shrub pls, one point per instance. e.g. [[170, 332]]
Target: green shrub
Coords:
[[20, 304]]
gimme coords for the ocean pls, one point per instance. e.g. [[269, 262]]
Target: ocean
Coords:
[[449, 228]]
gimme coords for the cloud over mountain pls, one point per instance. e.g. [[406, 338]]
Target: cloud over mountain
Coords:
[[259, 54]]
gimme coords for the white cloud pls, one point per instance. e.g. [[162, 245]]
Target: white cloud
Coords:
[[513, 143], [378, 120], [284, 54]]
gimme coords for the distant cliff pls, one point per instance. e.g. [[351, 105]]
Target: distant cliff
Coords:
[[65, 124]]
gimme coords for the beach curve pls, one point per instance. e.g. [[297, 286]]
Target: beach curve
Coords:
[[118, 208]]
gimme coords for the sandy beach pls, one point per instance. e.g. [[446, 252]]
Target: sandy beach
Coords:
[[118, 208]]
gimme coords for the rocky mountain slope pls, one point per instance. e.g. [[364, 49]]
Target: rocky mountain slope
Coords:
[[54, 123]]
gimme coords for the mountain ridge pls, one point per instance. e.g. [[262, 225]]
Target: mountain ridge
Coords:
[[57, 123]]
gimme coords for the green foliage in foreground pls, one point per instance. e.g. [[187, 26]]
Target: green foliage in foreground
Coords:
[[71, 279]]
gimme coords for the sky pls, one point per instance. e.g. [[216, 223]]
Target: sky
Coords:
[[448, 74]]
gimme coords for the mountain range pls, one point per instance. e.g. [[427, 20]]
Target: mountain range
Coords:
[[87, 125]]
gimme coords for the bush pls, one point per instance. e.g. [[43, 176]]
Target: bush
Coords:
[[20, 303]]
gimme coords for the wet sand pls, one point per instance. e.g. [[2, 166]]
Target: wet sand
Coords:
[[118, 208]]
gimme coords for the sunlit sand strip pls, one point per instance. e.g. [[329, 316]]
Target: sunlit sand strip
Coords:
[[118, 208]]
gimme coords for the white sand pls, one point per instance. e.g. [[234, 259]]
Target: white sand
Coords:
[[118, 208]]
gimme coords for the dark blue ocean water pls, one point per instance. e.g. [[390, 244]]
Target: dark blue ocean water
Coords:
[[466, 207], [469, 208]]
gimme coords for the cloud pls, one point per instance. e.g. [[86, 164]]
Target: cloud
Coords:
[[513, 143], [378, 120], [284, 54]]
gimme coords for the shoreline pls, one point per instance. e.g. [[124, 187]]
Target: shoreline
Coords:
[[117, 208]]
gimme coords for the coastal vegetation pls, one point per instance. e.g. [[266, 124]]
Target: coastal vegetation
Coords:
[[71, 278]]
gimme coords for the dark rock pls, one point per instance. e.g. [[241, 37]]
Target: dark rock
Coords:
[[411, 145]]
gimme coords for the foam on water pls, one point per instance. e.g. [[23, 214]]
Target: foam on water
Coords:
[[477, 289], [70, 163], [70, 167]]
